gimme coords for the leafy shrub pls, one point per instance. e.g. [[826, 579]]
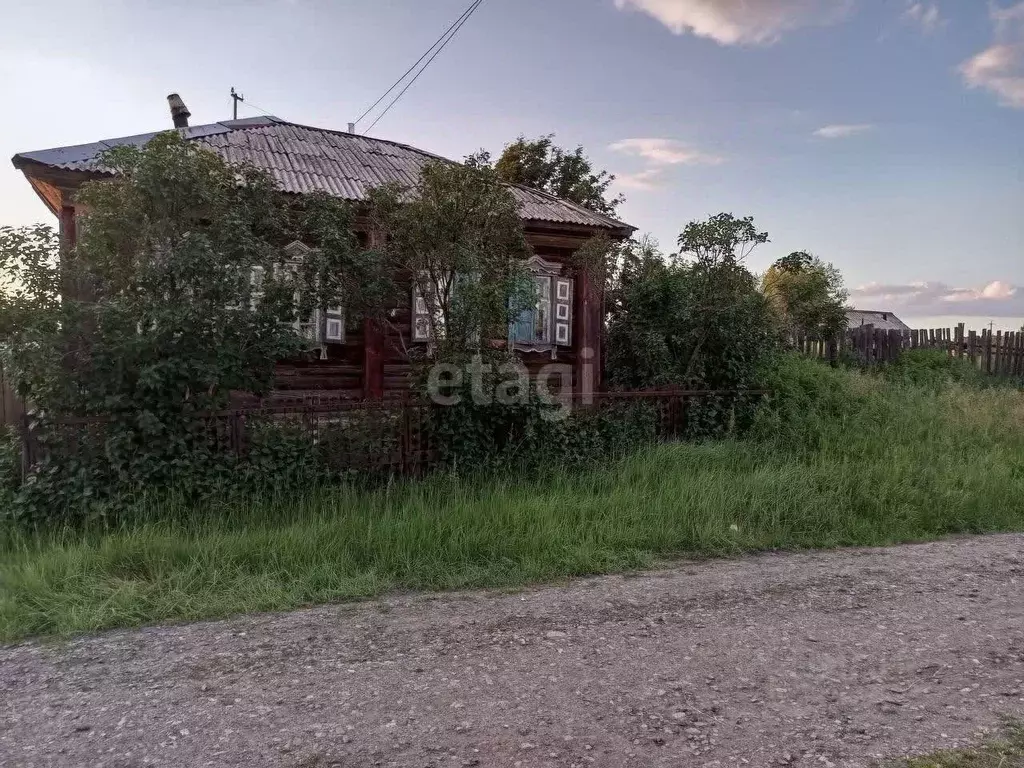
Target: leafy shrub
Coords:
[[536, 434], [935, 369], [695, 320], [807, 399], [96, 475], [10, 463]]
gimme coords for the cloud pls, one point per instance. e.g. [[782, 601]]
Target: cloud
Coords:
[[998, 298], [999, 68], [651, 178], [739, 22], [842, 131], [925, 15], [661, 152]]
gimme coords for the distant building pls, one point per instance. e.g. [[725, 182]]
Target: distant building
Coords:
[[855, 318]]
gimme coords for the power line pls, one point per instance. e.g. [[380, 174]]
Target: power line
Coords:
[[443, 41], [257, 108], [420, 59]]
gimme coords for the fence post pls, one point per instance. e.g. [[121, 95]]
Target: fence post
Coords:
[[406, 441], [26, 450]]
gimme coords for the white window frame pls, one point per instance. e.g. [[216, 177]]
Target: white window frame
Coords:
[[421, 327], [556, 300], [325, 325]]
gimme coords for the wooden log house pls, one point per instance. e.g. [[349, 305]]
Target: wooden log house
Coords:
[[371, 361]]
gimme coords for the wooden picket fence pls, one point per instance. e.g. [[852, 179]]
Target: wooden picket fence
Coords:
[[998, 353]]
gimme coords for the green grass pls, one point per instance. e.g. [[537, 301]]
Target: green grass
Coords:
[[1006, 752], [844, 459]]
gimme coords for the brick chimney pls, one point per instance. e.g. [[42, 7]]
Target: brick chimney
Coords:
[[179, 112]]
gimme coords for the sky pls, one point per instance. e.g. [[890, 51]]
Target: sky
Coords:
[[885, 136]]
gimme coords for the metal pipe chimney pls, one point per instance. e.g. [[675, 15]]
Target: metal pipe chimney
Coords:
[[179, 112]]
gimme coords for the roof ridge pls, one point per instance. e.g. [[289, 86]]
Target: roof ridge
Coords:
[[338, 176], [578, 207], [393, 143]]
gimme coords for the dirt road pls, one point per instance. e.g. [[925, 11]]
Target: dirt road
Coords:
[[810, 659]]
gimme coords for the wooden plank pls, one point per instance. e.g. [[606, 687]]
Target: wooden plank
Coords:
[[373, 360], [587, 336]]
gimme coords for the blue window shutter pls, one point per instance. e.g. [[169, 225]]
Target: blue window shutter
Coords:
[[523, 329]]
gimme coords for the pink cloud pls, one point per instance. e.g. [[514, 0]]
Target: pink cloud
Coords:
[[997, 298]]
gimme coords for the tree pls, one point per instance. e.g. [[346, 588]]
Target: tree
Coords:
[[178, 292], [807, 295], [695, 319], [568, 174], [458, 237]]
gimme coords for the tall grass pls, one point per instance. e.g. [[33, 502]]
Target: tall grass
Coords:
[[842, 458]]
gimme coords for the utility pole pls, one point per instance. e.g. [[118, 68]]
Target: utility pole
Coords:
[[235, 98]]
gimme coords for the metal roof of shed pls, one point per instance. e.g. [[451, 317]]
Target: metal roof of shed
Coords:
[[303, 159], [884, 320]]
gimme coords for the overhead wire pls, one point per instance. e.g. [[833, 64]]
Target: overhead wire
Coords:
[[443, 42], [418, 61], [257, 108]]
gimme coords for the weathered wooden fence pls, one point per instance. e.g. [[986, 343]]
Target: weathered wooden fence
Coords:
[[11, 407], [393, 437], [998, 353]]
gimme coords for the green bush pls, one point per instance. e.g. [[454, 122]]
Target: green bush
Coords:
[[934, 369], [10, 463], [809, 399], [98, 476], [694, 320], [538, 434]]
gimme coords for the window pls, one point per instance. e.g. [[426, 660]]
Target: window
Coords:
[[423, 325], [549, 322], [323, 325]]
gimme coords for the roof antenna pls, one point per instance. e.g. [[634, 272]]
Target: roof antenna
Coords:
[[235, 98]]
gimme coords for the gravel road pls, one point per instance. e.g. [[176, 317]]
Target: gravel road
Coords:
[[820, 659]]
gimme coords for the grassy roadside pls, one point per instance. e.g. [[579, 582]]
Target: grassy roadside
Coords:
[[845, 459], [1005, 752]]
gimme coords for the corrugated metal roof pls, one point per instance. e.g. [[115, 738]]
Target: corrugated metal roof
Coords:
[[885, 320], [303, 159]]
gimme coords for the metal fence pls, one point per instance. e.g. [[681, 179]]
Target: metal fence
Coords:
[[398, 437]]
